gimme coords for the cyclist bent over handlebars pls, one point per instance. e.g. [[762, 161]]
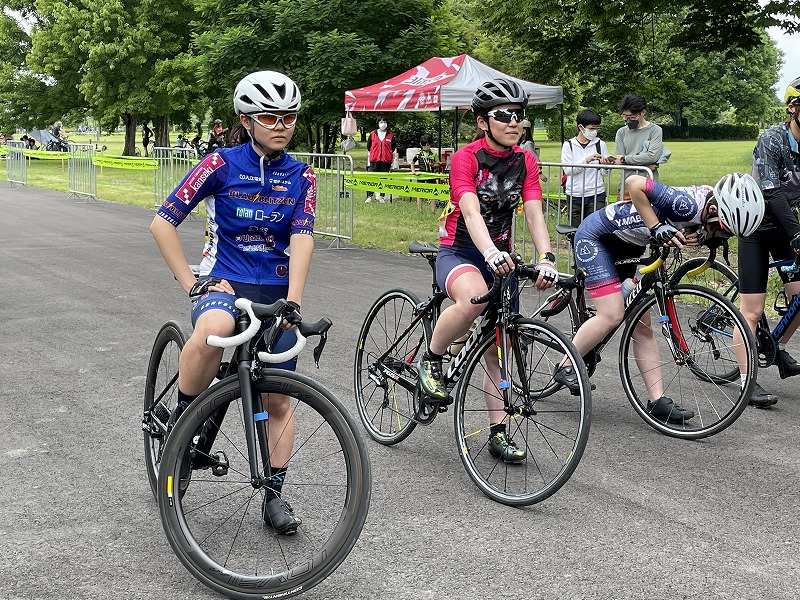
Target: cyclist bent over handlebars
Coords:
[[622, 230], [488, 179]]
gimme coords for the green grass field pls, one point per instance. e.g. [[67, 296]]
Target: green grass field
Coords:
[[392, 226]]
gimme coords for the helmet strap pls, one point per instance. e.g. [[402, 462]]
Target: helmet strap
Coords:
[[256, 144]]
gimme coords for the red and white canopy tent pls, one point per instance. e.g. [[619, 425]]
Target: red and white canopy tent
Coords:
[[440, 84]]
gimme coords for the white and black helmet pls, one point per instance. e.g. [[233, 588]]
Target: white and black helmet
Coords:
[[740, 202], [498, 91], [265, 91]]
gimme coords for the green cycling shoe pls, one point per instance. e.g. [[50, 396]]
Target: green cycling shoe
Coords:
[[430, 379], [504, 449]]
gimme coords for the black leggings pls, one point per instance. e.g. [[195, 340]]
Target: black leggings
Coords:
[[378, 167], [754, 252]]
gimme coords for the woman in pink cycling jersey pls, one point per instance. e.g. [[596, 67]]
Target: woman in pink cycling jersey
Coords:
[[488, 179]]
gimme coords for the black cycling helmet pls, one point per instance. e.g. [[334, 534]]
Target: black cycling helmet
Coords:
[[495, 92]]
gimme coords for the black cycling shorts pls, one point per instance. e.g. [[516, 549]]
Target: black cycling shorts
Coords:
[[754, 252]]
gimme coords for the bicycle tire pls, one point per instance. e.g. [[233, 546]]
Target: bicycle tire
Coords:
[[744, 393], [155, 435], [361, 381], [728, 278], [468, 458], [347, 529]]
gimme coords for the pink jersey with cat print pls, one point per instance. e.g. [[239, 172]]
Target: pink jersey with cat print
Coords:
[[500, 180]]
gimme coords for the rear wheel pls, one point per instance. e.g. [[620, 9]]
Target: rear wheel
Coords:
[[385, 406], [160, 396]]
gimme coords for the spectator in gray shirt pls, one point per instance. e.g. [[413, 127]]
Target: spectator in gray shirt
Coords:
[[639, 142]]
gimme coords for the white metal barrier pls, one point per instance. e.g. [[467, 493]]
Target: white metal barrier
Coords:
[[16, 163], [568, 205], [82, 171], [334, 211]]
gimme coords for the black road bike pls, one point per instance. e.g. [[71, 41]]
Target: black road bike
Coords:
[[210, 467], [712, 272], [669, 331], [503, 372]]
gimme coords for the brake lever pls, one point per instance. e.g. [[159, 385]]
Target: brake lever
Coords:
[[323, 339]]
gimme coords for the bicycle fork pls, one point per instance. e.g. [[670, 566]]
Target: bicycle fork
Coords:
[[671, 327]]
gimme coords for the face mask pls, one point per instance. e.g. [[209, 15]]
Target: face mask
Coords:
[[589, 134], [382, 126], [632, 123]]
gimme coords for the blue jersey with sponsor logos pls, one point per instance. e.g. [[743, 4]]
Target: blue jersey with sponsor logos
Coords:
[[254, 205]]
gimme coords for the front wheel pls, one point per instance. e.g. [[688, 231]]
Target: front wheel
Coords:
[[718, 277], [212, 511], [680, 355], [548, 424], [160, 396]]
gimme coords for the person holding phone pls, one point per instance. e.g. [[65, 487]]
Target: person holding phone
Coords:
[[584, 187]]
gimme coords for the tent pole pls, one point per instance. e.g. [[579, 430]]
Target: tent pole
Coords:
[[455, 131], [561, 108], [440, 133]]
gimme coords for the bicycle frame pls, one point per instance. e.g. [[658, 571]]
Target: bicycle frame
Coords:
[[792, 309], [242, 365], [656, 280], [492, 318]]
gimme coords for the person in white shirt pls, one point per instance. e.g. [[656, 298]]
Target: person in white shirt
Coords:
[[585, 189]]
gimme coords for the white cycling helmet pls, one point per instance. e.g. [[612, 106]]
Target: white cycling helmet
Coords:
[[741, 203], [265, 91]]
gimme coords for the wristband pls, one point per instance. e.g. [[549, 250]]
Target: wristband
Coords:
[[547, 256]]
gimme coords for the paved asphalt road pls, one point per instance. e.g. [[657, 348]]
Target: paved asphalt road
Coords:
[[644, 516]]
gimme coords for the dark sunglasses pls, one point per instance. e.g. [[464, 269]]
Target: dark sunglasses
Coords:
[[504, 115]]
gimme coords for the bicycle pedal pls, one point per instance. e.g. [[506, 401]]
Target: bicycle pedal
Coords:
[[220, 465]]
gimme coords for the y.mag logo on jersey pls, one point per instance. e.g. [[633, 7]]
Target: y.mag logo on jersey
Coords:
[[199, 176]]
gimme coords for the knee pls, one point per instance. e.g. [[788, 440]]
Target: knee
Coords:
[[470, 311], [219, 325], [612, 316], [275, 404]]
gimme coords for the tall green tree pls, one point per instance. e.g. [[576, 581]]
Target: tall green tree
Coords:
[[327, 46], [123, 59], [677, 54]]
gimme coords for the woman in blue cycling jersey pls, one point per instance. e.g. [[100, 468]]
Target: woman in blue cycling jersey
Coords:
[[623, 229], [260, 204]]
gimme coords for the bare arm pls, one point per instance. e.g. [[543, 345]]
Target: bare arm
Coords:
[[301, 247], [171, 248]]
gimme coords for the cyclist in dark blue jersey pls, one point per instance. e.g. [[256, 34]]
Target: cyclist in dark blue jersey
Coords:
[[623, 229], [260, 204]]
